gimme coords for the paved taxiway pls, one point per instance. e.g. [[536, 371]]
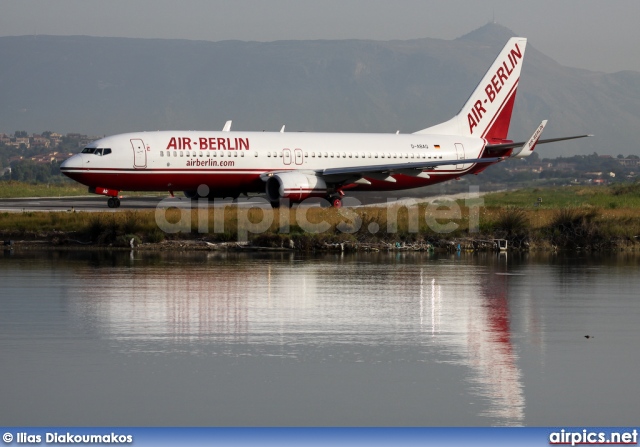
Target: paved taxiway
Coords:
[[99, 203]]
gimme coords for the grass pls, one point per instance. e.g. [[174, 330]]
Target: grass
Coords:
[[624, 195], [13, 189]]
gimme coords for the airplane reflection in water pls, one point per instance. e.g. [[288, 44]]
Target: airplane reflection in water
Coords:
[[479, 322], [294, 309]]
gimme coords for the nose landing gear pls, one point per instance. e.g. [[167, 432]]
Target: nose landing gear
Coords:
[[114, 201]]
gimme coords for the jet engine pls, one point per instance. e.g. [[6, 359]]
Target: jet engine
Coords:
[[295, 186]]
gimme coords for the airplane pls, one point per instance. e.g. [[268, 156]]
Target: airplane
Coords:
[[299, 165]]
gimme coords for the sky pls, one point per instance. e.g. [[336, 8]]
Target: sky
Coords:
[[598, 35]]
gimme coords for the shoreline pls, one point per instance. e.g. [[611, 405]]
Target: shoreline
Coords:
[[305, 244]]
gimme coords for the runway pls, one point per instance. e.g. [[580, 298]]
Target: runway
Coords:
[[99, 203], [82, 203]]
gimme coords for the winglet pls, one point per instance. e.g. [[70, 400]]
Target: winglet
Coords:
[[227, 126], [530, 145]]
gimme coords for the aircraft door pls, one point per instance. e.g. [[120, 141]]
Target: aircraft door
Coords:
[[298, 155], [460, 155], [139, 154], [286, 156]]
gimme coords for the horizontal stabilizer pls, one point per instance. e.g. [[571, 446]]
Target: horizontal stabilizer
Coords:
[[515, 144]]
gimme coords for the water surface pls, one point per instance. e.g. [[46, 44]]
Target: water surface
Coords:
[[146, 339]]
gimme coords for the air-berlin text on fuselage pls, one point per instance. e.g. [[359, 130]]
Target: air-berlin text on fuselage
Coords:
[[498, 80], [211, 143]]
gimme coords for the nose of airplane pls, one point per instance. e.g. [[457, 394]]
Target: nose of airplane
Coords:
[[72, 162]]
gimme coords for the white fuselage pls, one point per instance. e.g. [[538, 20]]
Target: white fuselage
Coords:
[[232, 162]]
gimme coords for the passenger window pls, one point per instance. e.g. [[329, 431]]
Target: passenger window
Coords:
[[175, 153], [181, 154], [161, 153], [188, 154], [268, 154], [242, 154], [201, 154], [222, 154], [255, 154], [235, 154]]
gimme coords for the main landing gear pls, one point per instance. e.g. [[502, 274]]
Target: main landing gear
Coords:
[[331, 202], [113, 202]]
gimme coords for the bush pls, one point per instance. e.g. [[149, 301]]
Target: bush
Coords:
[[576, 228]]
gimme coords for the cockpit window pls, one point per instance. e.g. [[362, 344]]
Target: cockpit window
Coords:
[[96, 151]]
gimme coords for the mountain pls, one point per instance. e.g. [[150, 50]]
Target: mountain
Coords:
[[102, 86]]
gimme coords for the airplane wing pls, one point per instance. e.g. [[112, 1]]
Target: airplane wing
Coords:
[[386, 171]]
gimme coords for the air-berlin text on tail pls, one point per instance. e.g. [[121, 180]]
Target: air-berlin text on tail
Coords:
[[495, 86], [211, 143]]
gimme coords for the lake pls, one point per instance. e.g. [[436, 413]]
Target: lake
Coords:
[[373, 339]]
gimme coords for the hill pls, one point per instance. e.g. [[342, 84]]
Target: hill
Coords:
[[111, 85]]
